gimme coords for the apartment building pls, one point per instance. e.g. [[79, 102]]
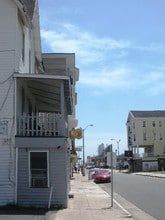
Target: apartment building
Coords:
[[146, 130], [37, 110]]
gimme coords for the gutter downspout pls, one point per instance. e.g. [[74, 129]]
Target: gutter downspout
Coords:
[[50, 196], [16, 149], [16, 176]]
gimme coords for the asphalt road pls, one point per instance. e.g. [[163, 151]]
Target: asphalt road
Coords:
[[147, 193]]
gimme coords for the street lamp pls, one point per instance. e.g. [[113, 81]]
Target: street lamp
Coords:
[[83, 130], [117, 141]]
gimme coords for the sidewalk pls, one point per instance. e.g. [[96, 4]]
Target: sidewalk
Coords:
[[89, 202], [158, 174]]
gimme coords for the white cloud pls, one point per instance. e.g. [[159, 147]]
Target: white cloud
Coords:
[[70, 38], [156, 83], [89, 48], [153, 47], [107, 78], [103, 61]]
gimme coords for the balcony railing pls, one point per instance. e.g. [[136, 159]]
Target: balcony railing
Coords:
[[151, 154], [41, 124]]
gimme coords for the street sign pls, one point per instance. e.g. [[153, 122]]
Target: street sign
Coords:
[[78, 148]]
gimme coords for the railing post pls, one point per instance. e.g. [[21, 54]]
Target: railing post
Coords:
[[24, 124], [27, 125], [19, 124], [54, 124], [32, 123], [37, 125]]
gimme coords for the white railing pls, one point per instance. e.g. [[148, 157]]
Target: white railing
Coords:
[[151, 154], [41, 124]]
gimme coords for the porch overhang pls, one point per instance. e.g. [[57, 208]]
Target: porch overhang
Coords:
[[45, 89]]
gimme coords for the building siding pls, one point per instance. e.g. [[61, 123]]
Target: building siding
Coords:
[[8, 28], [7, 177], [6, 84], [57, 179]]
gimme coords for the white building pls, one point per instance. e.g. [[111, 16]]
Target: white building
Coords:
[[37, 110], [146, 130]]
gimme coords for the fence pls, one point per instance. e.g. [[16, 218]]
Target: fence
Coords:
[[41, 124]]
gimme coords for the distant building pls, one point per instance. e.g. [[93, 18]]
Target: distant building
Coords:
[[100, 149], [146, 130], [108, 156], [110, 162], [103, 159]]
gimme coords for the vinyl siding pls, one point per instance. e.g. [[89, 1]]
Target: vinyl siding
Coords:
[[8, 28], [7, 179], [6, 84], [7, 66], [7, 56], [57, 179]]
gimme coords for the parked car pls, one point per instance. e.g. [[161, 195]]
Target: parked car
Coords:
[[91, 173], [102, 176]]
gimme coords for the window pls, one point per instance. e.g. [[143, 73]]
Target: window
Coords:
[[134, 137], [22, 34], [38, 169], [154, 136], [164, 149], [153, 124], [30, 61], [23, 46], [144, 136], [133, 124], [144, 124], [160, 124]]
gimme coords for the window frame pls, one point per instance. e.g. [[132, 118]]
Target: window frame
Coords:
[[155, 136], [23, 46], [160, 123], [29, 171], [144, 124], [153, 124], [134, 137], [144, 136], [163, 149]]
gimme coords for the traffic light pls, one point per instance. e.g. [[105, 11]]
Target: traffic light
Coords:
[[128, 153]]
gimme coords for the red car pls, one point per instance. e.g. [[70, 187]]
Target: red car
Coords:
[[102, 176]]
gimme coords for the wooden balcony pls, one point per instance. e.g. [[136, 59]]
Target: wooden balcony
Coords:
[[39, 125]]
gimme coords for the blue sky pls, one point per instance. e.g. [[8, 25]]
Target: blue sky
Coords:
[[120, 52]]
